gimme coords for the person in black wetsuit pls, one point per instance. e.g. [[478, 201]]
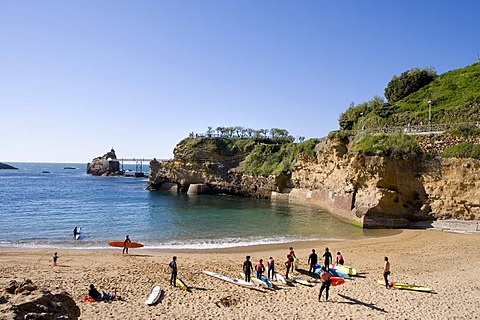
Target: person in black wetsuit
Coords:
[[173, 269], [75, 232], [247, 268], [312, 261], [127, 240], [328, 258], [96, 295]]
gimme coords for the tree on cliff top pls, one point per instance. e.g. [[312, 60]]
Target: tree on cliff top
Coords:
[[408, 82]]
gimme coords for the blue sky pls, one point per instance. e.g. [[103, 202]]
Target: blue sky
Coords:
[[77, 78]]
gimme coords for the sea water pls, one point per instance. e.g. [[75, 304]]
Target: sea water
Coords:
[[41, 203]]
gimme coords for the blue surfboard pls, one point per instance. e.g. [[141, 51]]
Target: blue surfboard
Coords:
[[265, 279]]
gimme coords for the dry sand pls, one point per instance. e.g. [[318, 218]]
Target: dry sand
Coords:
[[447, 262]]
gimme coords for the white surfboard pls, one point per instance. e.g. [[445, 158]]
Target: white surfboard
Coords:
[[236, 281], [78, 234], [154, 295], [277, 276]]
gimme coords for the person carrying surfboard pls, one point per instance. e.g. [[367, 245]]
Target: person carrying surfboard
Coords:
[[247, 268], [325, 278], [75, 232], [127, 240], [386, 271], [173, 269]]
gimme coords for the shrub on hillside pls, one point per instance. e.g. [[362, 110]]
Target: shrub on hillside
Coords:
[[462, 150], [408, 82]]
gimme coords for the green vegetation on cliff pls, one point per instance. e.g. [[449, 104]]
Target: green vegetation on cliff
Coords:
[[397, 146], [453, 97], [267, 159], [462, 150], [261, 157]]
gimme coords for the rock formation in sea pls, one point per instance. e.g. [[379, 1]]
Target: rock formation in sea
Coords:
[[7, 166], [23, 300], [106, 165], [369, 191]]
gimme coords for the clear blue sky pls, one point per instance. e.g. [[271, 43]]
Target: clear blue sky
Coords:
[[80, 77]]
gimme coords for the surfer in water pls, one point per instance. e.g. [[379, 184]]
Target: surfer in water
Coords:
[[247, 268], [386, 271], [328, 258], [75, 232], [173, 269], [325, 278], [312, 261], [125, 248]]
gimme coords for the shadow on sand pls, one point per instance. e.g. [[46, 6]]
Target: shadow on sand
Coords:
[[361, 303]]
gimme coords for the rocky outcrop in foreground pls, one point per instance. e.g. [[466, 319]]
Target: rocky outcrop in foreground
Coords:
[[25, 301], [369, 191], [7, 166], [106, 165]]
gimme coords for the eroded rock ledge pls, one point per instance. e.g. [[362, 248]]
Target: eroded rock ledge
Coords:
[[367, 191]]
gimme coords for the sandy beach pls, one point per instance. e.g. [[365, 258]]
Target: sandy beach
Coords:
[[445, 262]]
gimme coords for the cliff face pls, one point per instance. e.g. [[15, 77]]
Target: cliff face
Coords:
[[369, 191], [220, 172]]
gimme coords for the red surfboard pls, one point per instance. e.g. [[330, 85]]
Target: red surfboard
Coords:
[[119, 244]]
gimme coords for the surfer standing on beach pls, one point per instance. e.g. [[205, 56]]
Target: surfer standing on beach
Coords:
[[386, 271], [271, 268], [312, 261], [325, 278], [288, 264], [259, 268], [127, 240], [328, 258], [173, 269], [247, 268]]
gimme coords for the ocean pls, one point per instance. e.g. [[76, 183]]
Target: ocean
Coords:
[[41, 203]]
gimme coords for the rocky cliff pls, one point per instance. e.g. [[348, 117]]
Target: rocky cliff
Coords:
[[369, 191], [105, 165]]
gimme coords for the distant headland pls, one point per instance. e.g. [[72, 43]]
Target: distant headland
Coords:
[[7, 166]]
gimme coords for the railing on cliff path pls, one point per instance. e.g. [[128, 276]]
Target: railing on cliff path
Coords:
[[422, 128]]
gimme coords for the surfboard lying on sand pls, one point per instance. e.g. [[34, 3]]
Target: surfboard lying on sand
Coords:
[[277, 276], [345, 269], [336, 281], [405, 286], [337, 273], [154, 295], [181, 284], [256, 281], [302, 281], [236, 281], [119, 244]]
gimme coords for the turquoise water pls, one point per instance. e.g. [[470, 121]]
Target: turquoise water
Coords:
[[41, 209]]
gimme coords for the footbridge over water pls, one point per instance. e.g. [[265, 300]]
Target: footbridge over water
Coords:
[[139, 163]]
